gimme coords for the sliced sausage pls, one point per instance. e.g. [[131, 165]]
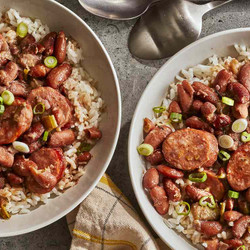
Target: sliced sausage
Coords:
[[155, 158], [15, 121], [172, 191], [212, 244], [232, 216], [34, 133], [151, 178], [189, 149], [53, 101], [58, 75], [170, 172], [62, 138], [93, 133], [34, 146], [160, 200], [238, 171], [209, 228], [244, 76], [157, 136], [185, 95], [17, 88], [195, 193], [206, 93], [6, 157], [222, 80], [60, 47], [240, 226]]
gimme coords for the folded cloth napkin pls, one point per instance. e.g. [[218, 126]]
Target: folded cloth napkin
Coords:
[[106, 220]]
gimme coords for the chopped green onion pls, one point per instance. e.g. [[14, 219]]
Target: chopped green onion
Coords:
[[224, 156], [187, 207], [233, 194], [241, 247], [22, 30], [39, 109], [239, 125], [203, 201], [8, 97], [226, 141], [228, 101], [159, 109], [50, 62], [45, 135], [1, 100], [176, 117], [21, 147], [198, 177], [145, 149], [245, 137], [49, 122], [2, 109], [222, 210], [84, 147]]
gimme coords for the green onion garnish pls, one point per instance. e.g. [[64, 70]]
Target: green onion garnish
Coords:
[[224, 156], [45, 135], [1, 100], [2, 109], [22, 30], [222, 210], [84, 147], [39, 109], [187, 207], [198, 177], [245, 137], [204, 201], [49, 122], [233, 194], [50, 62], [228, 101], [176, 117], [159, 109], [8, 97], [241, 247], [145, 149]]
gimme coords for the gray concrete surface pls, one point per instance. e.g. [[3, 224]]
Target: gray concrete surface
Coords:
[[134, 75]]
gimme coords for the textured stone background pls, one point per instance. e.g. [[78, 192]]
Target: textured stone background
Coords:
[[134, 76]]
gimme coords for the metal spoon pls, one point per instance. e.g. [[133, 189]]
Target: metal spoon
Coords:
[[167, 27], [117, 9]]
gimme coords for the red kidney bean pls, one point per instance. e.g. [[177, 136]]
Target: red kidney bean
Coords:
[[185, 94], [232, 215], [151, 178], [84, 158], [39, 71], [195, 193], [155, 158], [212, 244], [174, 107], [234, 243], [240, 110], [148, 125], [9, 73], [14, 179], [34, 133], [222, 121], [60, 47], [240, 93], [240, 226], [197, 105], [222, 80], [93, 133], [173, 192], [160, 200], [197, 123], [229, 204], [48, 42], [170, 172], [208, 110], [209, 228], [61, 138]]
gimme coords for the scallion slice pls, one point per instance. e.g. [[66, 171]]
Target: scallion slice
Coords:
[[176, 117], [8, 97], [207, 201], [2, 109], [159, 109], [145, 149], [45, 135], [186, 209], [233, 194], [49, 122], [1, 100], [226, 141], [239, 125], [228, 101], [224, 156], [222, 210], [245, 137], [50, 62], [84, 147], [198, 177], [22, 29], [241, 247], [21, 147], [39, 109]]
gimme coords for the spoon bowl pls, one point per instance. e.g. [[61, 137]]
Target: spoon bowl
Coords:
[[117, 9]]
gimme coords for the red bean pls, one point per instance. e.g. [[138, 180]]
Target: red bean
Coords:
[[151, 178], [173, 192], [170, 172]]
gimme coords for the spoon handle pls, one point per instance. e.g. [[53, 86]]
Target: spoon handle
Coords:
[[212, 5]]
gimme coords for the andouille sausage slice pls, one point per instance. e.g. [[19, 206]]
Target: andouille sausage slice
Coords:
[[238, 171], [6, 157], [157, 136], [62, 138], [15, 121], [17, 88], [189, 149]]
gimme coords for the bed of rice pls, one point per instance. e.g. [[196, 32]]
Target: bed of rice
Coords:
[[88, 106], [204, 73]]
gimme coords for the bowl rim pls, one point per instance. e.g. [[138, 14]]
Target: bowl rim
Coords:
[[130, 144], [112, 150]]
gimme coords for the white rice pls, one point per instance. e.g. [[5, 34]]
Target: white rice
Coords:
[[204, 73], [87, 102]]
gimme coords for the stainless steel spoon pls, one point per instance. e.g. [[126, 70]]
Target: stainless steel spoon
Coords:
[[167, 27], [117, 9]]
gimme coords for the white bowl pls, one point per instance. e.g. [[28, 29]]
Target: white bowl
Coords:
[[220, 44], [97, 62]]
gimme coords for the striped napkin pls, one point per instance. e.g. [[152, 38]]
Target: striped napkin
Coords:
[[106, 220]]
